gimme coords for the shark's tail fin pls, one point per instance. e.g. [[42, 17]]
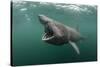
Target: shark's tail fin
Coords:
[[74, 46]]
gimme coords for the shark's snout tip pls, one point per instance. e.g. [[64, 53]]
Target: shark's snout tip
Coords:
[[40, 15]]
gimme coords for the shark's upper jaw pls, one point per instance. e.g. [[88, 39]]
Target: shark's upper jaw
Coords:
[[48, 35]]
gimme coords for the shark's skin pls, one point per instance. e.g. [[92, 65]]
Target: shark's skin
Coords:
[[58, 34]]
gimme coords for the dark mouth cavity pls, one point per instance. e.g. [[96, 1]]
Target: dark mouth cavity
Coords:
[[49, 32]]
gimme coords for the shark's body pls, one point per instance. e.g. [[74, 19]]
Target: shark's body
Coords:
[[59, 34]]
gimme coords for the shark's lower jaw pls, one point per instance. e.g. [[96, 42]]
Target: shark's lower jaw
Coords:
[[48, 35]]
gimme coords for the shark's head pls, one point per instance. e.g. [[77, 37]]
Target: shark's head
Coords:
[[52, 33]]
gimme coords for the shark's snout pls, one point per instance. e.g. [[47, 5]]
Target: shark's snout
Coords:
[[40, 15], [43, 19]]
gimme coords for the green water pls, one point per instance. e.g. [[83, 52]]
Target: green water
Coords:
[[29, 49]]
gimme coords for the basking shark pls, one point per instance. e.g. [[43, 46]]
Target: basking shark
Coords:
[[57, 33]]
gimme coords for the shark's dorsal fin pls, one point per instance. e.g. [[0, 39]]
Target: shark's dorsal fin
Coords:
[[73, 44]]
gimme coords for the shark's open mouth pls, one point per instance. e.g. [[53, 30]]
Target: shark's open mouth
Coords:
[[48, 35]]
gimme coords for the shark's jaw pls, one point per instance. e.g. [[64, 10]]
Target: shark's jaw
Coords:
[[48, 34]]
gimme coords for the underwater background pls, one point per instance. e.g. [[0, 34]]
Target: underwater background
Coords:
[[27, 45]]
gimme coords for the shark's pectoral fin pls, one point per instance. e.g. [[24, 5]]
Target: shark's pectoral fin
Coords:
[[74, 46]]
